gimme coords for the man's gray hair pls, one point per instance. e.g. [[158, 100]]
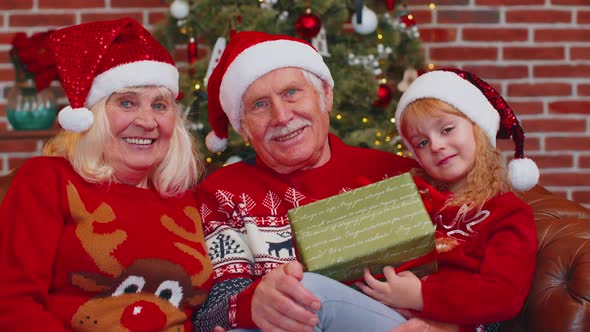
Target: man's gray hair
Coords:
[[319, 86]]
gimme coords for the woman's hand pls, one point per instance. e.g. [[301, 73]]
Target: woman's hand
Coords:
[[281, 303], [400, 290]]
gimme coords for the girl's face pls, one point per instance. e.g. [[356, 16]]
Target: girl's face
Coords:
[[142, 124], [445, 147]]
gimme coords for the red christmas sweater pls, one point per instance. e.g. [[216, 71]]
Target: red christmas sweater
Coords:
[[244, 208], [77, 256], [486, 260]]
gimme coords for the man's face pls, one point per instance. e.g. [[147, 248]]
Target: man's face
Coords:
[[284, 121]]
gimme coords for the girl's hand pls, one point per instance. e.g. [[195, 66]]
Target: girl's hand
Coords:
[[400, 290], [425, 325]]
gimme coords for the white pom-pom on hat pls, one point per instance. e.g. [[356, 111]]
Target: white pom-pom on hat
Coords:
[[523, 173], [214, 143], [75, 119]]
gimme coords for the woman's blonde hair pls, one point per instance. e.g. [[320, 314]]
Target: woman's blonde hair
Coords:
[[486, 179], [179, 171]]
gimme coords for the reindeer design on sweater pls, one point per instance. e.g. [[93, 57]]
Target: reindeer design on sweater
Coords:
[[131, 299], [276, 247]]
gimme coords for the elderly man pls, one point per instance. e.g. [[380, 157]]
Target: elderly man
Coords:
[[276, 91]]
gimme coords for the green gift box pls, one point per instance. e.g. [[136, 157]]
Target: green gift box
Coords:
[[384, 223]]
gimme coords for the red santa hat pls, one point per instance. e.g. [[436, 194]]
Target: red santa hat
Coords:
[[481, 103], [96, 59], [248, 56]]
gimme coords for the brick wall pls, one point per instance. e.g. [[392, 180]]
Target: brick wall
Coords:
[[535, 52]]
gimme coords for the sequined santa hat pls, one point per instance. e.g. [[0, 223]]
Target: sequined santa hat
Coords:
[[248, 56], [98, 58], [481, 103]]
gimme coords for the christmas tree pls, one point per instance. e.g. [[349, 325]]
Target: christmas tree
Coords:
[[372, 48]]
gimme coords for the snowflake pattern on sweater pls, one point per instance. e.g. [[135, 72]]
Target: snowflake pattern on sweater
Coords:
[[243, 238]]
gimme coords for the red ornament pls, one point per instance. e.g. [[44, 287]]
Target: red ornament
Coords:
[[180, 96], [390, 4], [408, 20], [192, 53], [384, 96], [192, 50], [308, 25]]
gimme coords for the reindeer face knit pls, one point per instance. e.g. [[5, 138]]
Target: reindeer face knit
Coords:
[[77, 256]]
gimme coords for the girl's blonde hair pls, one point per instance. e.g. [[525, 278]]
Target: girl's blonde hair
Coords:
[[179, 171], [486, 179]]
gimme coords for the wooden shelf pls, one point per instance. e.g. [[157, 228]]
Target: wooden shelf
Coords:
[[27, 134]]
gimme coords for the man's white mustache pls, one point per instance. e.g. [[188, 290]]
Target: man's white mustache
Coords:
[[290, 127]]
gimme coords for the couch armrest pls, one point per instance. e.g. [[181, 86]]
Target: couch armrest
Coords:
[[559, 299], [547, 205], [560, 296]]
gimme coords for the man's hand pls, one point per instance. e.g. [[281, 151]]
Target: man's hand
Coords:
[[400, 290], [281, 303], [425, 325]]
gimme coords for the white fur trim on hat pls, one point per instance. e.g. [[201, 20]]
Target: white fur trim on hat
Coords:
[[139, 73], [523, 174], [443, 85], [75, 119], [214, 143], [260, 59]]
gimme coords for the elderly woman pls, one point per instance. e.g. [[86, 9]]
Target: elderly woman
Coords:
[[102, 233]]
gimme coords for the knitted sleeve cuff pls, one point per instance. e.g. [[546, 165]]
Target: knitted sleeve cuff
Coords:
[[243, 307]]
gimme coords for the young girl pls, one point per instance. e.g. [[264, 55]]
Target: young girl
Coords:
[[486, 236]]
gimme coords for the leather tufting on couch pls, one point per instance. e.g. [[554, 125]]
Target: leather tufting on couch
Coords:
[[560, 296]]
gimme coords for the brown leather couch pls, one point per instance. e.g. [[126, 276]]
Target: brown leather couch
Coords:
[[560, 296]]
